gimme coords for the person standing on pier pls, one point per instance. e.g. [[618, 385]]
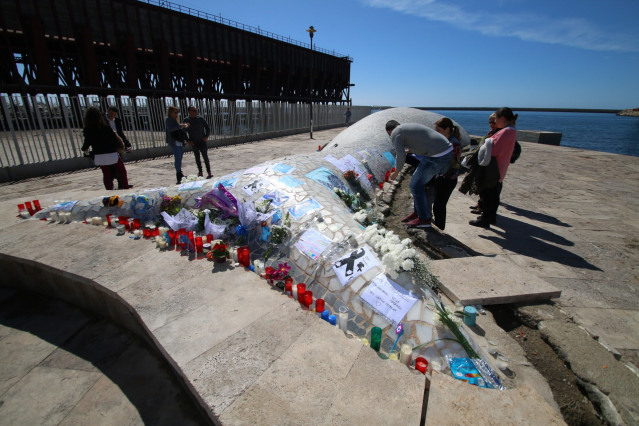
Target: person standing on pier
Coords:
[[503, 144], [347, 117], [105, 144], [445, 183], [199, 132], [114, 121], [434, 152], [175, 138]]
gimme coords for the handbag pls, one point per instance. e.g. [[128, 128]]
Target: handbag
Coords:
[[179, 135], [121, 148]]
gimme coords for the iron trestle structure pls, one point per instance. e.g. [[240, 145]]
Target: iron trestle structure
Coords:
[[156, 48]]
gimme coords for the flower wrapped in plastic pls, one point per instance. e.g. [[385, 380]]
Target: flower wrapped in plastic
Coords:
[[184, 219], [221, 199]]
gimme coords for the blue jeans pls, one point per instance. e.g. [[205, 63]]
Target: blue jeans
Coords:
[[427, 168], [178, 152]]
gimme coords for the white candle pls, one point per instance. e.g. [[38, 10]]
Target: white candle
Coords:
[[53, 216], [406, 354], [67, 217], [25, 214], [294, 288], [342, 320], [204, 240], [137, 233]]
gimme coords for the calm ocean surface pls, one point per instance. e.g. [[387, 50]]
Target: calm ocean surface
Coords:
[[592, 131]]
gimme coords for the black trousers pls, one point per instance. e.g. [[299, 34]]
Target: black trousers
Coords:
[[491, 198], [201, 148], [443, 188]]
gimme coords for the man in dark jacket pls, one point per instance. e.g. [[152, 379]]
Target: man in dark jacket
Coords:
[[199, 132], [114, 121]]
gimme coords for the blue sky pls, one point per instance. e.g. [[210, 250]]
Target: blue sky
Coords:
[[447, 53]]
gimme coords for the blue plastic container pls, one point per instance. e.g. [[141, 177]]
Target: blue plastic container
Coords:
[[471, 314]]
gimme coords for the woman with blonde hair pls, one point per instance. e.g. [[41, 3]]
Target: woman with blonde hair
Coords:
[[175, 138]]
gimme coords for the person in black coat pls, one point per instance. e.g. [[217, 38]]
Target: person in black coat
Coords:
[[199, 132], [104, 144], [114, 121]]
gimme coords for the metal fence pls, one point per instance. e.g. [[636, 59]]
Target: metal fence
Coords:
[[40, 128]]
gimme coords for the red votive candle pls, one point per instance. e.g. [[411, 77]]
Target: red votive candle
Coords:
[[136, 224], [108, 218], [180, 244], [301, 289], [123, 220], [172, 235], [155, 232], [209, 238], [308, 298], [319, 305], [387, 177], [288, 286], [421, 364], [381, 185], [20, 207], [30, 208], [191, 237], [244, 256], [198, 244], [36, 204], [146, 233]]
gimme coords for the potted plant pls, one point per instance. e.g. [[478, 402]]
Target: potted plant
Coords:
[[219, 252]]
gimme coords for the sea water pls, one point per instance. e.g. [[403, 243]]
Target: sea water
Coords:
[[604, 132]]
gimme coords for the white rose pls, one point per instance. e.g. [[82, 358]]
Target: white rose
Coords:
[[408, 265]]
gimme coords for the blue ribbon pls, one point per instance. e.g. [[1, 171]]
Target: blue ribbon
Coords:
[[266, 233], [241, 231]]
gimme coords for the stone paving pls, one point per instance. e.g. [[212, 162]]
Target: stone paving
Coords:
[[536, 247]]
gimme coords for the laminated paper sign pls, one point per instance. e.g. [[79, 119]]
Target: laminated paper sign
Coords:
[[312, 243], [388, 298], [354, 264]]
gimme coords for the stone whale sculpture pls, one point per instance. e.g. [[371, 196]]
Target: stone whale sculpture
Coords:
[[363, 273]]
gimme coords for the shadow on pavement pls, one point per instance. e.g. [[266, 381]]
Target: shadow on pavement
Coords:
[[533, 241], [88, 343], [539, 217]]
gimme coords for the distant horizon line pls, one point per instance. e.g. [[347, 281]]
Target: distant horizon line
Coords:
[[590, 110]]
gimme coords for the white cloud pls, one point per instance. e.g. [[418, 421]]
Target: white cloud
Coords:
[[573, 32]]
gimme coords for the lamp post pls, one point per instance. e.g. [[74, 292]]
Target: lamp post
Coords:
[[311, 31]]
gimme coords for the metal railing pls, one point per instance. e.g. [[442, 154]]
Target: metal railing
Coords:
[[40, 128], [256, 30]]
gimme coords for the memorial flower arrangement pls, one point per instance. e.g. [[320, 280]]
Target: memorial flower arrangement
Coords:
[[278, 275], [191, 178], [171, 205], [398, 255], [351, 201], [362, 217], [219, 252], [353, 178]]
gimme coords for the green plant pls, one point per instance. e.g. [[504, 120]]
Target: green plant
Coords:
[[446, 317]]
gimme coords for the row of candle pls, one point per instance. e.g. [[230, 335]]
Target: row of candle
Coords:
[[305, 297], [60, 217], [27, 209]]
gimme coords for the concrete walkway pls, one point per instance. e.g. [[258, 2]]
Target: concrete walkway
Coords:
[[250, 355]]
